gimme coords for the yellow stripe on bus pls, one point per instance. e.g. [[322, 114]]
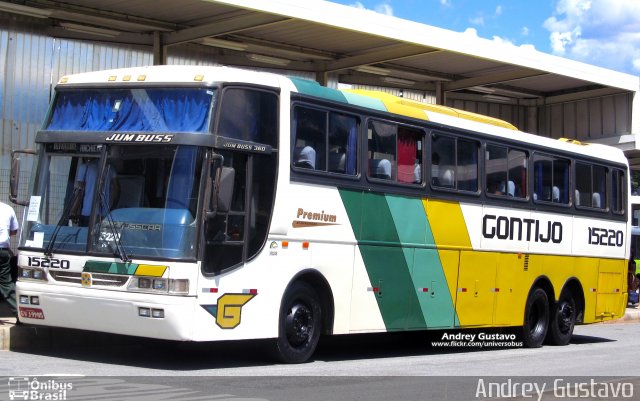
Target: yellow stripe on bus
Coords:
[[150, 270], [447, 224]]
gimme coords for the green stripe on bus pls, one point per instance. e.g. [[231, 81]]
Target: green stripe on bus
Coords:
[[312, 88], [385, 261], [427, 272], [92, 266], [364, 101]]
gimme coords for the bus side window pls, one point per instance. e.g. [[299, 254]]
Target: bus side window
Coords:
[[551, 179], [324, 140], [618, 191], [382, 150], [395, 152], [309, 138], [591, 185], [249, 115], [457, 163]]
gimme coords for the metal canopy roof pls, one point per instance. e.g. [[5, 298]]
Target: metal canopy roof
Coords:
[[317, 36]]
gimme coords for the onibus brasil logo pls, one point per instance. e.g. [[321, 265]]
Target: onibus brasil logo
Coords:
[[24, 388]]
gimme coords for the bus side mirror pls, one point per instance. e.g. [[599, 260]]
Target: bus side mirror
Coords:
[[224, 190], [14, 183], [223, 185]]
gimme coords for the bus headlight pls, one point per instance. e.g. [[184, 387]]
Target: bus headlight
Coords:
[[179, 286], [159, 285], [25, 274]]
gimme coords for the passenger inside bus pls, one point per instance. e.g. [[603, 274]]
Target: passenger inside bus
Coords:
[[305, 158], [380, 168]]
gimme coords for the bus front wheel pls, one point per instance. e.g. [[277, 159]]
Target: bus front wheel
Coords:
[[536, 319], [299, 324], [563, 320]]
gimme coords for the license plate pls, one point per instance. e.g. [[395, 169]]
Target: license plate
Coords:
[[31, 313]]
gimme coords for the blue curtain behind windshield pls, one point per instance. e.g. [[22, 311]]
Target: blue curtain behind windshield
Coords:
[[164, 110]]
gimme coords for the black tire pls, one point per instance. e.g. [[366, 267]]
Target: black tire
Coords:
[[299, 324], [562, 321], [536, 319]]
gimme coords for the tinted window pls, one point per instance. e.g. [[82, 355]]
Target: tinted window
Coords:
[[249, 115], [506, 171], [324, 140], [618, 191], [551, 179], [454, 163], [395, 152], [591, 183]]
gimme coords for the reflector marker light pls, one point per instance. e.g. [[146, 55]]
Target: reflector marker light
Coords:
[[198, 78], [285, 244], [373, 289], [462, 290], [210, 290], [305, 245], [252, 291], [495, 290], [593, 290], [112, 78], [142, 77], [126, 78], [617, 290], [424, 289]]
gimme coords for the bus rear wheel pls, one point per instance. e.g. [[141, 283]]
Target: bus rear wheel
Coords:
[[299, 325], [563, 320], [536, 318]]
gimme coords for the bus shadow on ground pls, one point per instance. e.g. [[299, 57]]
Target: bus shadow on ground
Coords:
[[193, 356]]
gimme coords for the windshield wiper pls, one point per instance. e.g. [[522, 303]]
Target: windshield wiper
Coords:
[[63, 218], [121, 251]]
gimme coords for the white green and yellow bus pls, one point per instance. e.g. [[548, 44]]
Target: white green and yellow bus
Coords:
[[200, 203]]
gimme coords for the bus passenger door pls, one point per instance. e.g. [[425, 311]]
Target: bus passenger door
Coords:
[[476, 288]]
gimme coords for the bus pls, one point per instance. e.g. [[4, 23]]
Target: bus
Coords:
[[196, 203]]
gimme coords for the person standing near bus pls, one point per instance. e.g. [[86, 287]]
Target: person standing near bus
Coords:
[[8, 227]]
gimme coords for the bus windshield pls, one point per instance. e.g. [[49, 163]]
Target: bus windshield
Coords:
[[127, 201], [134, 109]]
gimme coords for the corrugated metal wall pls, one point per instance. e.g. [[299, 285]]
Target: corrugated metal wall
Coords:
[[587, 120]]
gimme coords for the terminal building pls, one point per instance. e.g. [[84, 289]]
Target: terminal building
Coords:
[[41, 41]]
